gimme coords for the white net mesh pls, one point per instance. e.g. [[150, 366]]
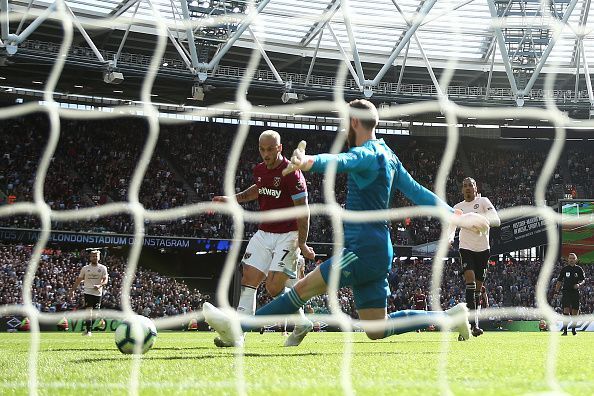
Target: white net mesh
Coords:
[[139, 214]]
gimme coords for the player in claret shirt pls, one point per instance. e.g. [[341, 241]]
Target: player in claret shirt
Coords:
[[419, 300], [273, 251]]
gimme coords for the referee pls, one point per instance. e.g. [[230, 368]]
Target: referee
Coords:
[[572, 278]]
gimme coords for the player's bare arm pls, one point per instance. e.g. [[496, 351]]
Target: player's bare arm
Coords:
[[303, 230], [77, 283], [247, 195]]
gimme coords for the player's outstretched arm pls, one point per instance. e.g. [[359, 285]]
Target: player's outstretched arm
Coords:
[[299, 160], [356, 159], [415, 192], [247, 195], [419, 195]]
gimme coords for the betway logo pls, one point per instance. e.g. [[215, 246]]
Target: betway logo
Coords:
[[269, 191]]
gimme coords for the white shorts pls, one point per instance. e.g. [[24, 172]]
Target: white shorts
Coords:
[[267, 251], [299, 272]]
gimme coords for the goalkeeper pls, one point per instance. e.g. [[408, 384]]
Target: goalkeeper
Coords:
[[374, 173]]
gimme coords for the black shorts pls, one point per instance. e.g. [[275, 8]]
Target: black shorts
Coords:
[[91, 301], [570, 299], [475, 261]]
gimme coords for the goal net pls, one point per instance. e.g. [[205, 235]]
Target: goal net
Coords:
[[512, 51]]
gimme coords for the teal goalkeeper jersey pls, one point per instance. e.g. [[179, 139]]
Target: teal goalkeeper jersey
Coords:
[[374, 172]]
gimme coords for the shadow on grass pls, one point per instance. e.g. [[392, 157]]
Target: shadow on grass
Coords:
[[154, 349], [395, 340], [193, 357], [250, 355], [71, 350]]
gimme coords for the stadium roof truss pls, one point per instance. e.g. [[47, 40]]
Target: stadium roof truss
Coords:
[[521, 38]]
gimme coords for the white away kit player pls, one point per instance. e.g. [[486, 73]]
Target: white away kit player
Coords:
[[474, 247]]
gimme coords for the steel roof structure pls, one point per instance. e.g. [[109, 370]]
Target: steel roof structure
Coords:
[[395, 50]]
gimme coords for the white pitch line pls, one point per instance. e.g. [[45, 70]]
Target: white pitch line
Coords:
[[580, 244], [582, 226]]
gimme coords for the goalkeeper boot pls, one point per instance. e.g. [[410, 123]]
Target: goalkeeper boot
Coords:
[[299, 333], [477, 331], [459, 314], [223, 325]]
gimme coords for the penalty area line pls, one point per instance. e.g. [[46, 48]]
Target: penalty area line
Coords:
[[578, 227]]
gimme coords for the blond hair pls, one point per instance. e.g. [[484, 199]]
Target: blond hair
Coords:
[[270, 134]]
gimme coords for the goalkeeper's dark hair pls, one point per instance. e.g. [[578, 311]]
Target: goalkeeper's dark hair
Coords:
[[365, 112]]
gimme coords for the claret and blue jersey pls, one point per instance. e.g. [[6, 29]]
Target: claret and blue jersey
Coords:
[[374, 172]]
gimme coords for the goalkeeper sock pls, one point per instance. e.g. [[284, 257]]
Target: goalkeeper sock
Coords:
[[247, 300], [89, 325], [424, 319], [285, 304], [299, 311]]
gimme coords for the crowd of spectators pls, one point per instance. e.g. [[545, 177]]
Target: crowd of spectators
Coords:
[[152, 294], [92, 165], [510, 283], [94, 162], [581, 171]]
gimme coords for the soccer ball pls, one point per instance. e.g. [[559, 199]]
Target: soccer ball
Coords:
[[136, 335]]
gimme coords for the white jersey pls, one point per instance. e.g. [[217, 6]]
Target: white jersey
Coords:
[[92, 275], [470, 240]]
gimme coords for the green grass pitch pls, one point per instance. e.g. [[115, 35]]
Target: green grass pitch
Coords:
[[503, 363]]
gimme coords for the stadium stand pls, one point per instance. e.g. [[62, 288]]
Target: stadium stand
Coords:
[[94, 161], [152, 294], [511, 283]]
